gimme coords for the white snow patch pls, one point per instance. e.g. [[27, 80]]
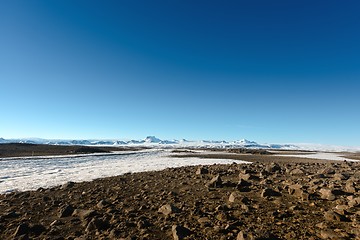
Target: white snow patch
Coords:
[[320, 147], [321, 156], [33, 173]]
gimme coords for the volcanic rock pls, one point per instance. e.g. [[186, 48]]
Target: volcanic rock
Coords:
[[333, 216], [296, 171], [340, 177], [350, 186], [180, 232], [215, 182], [268, 192], [168, 209], [66, 211], [22, 229], [354, 202], [243, 236], [327, 194], [202, 170]]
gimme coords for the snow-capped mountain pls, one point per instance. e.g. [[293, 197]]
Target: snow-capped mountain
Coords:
[[149, 140], [152, 141]]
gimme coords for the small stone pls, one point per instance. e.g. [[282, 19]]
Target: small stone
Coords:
[[217, 229], [204, 221], [296, 171], [291, 235], [295, 190], [10, 214], [215, 182], [329, 234], [97, 224], [66, 211], [143, 223], [67, 185], [247, 176], [354, 202], [243, 186], [265, 181], [318, 176], [37, 229], [245, 207], [180, 232], [333, 216], [326, 171], [168, 209], [90, 227], [84, 214], [327, 194], [233, 197], [221, 208], [321, 225], [102, 204], [264, 174], [243, 183], [308, 196], [350, 186], [56, 223], [202, 170], [222, 216], [295, 208], [115, 234], [243, 236], [22, 229], [273, 167], [46, 198], [341, 209], [340, 177], [267, 192]]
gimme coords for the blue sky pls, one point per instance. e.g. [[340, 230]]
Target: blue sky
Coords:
[[269, 71]]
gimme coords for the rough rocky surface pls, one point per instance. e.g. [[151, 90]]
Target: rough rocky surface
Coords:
[[248, 201]]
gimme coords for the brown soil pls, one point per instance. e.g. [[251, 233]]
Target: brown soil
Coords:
[[354, 156], [253, 157], [263, 200], [241, 151], [23, 150], [291, 152]]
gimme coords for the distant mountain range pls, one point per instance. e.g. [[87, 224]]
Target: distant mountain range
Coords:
[[149, 140], [152, 141]]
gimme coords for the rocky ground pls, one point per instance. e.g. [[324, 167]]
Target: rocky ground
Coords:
[[263, 200]]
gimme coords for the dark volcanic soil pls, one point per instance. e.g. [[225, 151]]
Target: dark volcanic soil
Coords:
[[24, 150], [249, 201], [264, 158], [355, 156]]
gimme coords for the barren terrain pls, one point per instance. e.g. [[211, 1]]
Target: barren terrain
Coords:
[[273, 198], [24, 150]]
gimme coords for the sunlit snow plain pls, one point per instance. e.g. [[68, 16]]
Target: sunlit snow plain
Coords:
[[321, 156], [21, 174]]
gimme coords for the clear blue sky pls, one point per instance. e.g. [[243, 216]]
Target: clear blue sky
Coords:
[[269, 71]]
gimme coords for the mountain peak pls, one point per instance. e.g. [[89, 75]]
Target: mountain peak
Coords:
[[245, 141], [152, 139]]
